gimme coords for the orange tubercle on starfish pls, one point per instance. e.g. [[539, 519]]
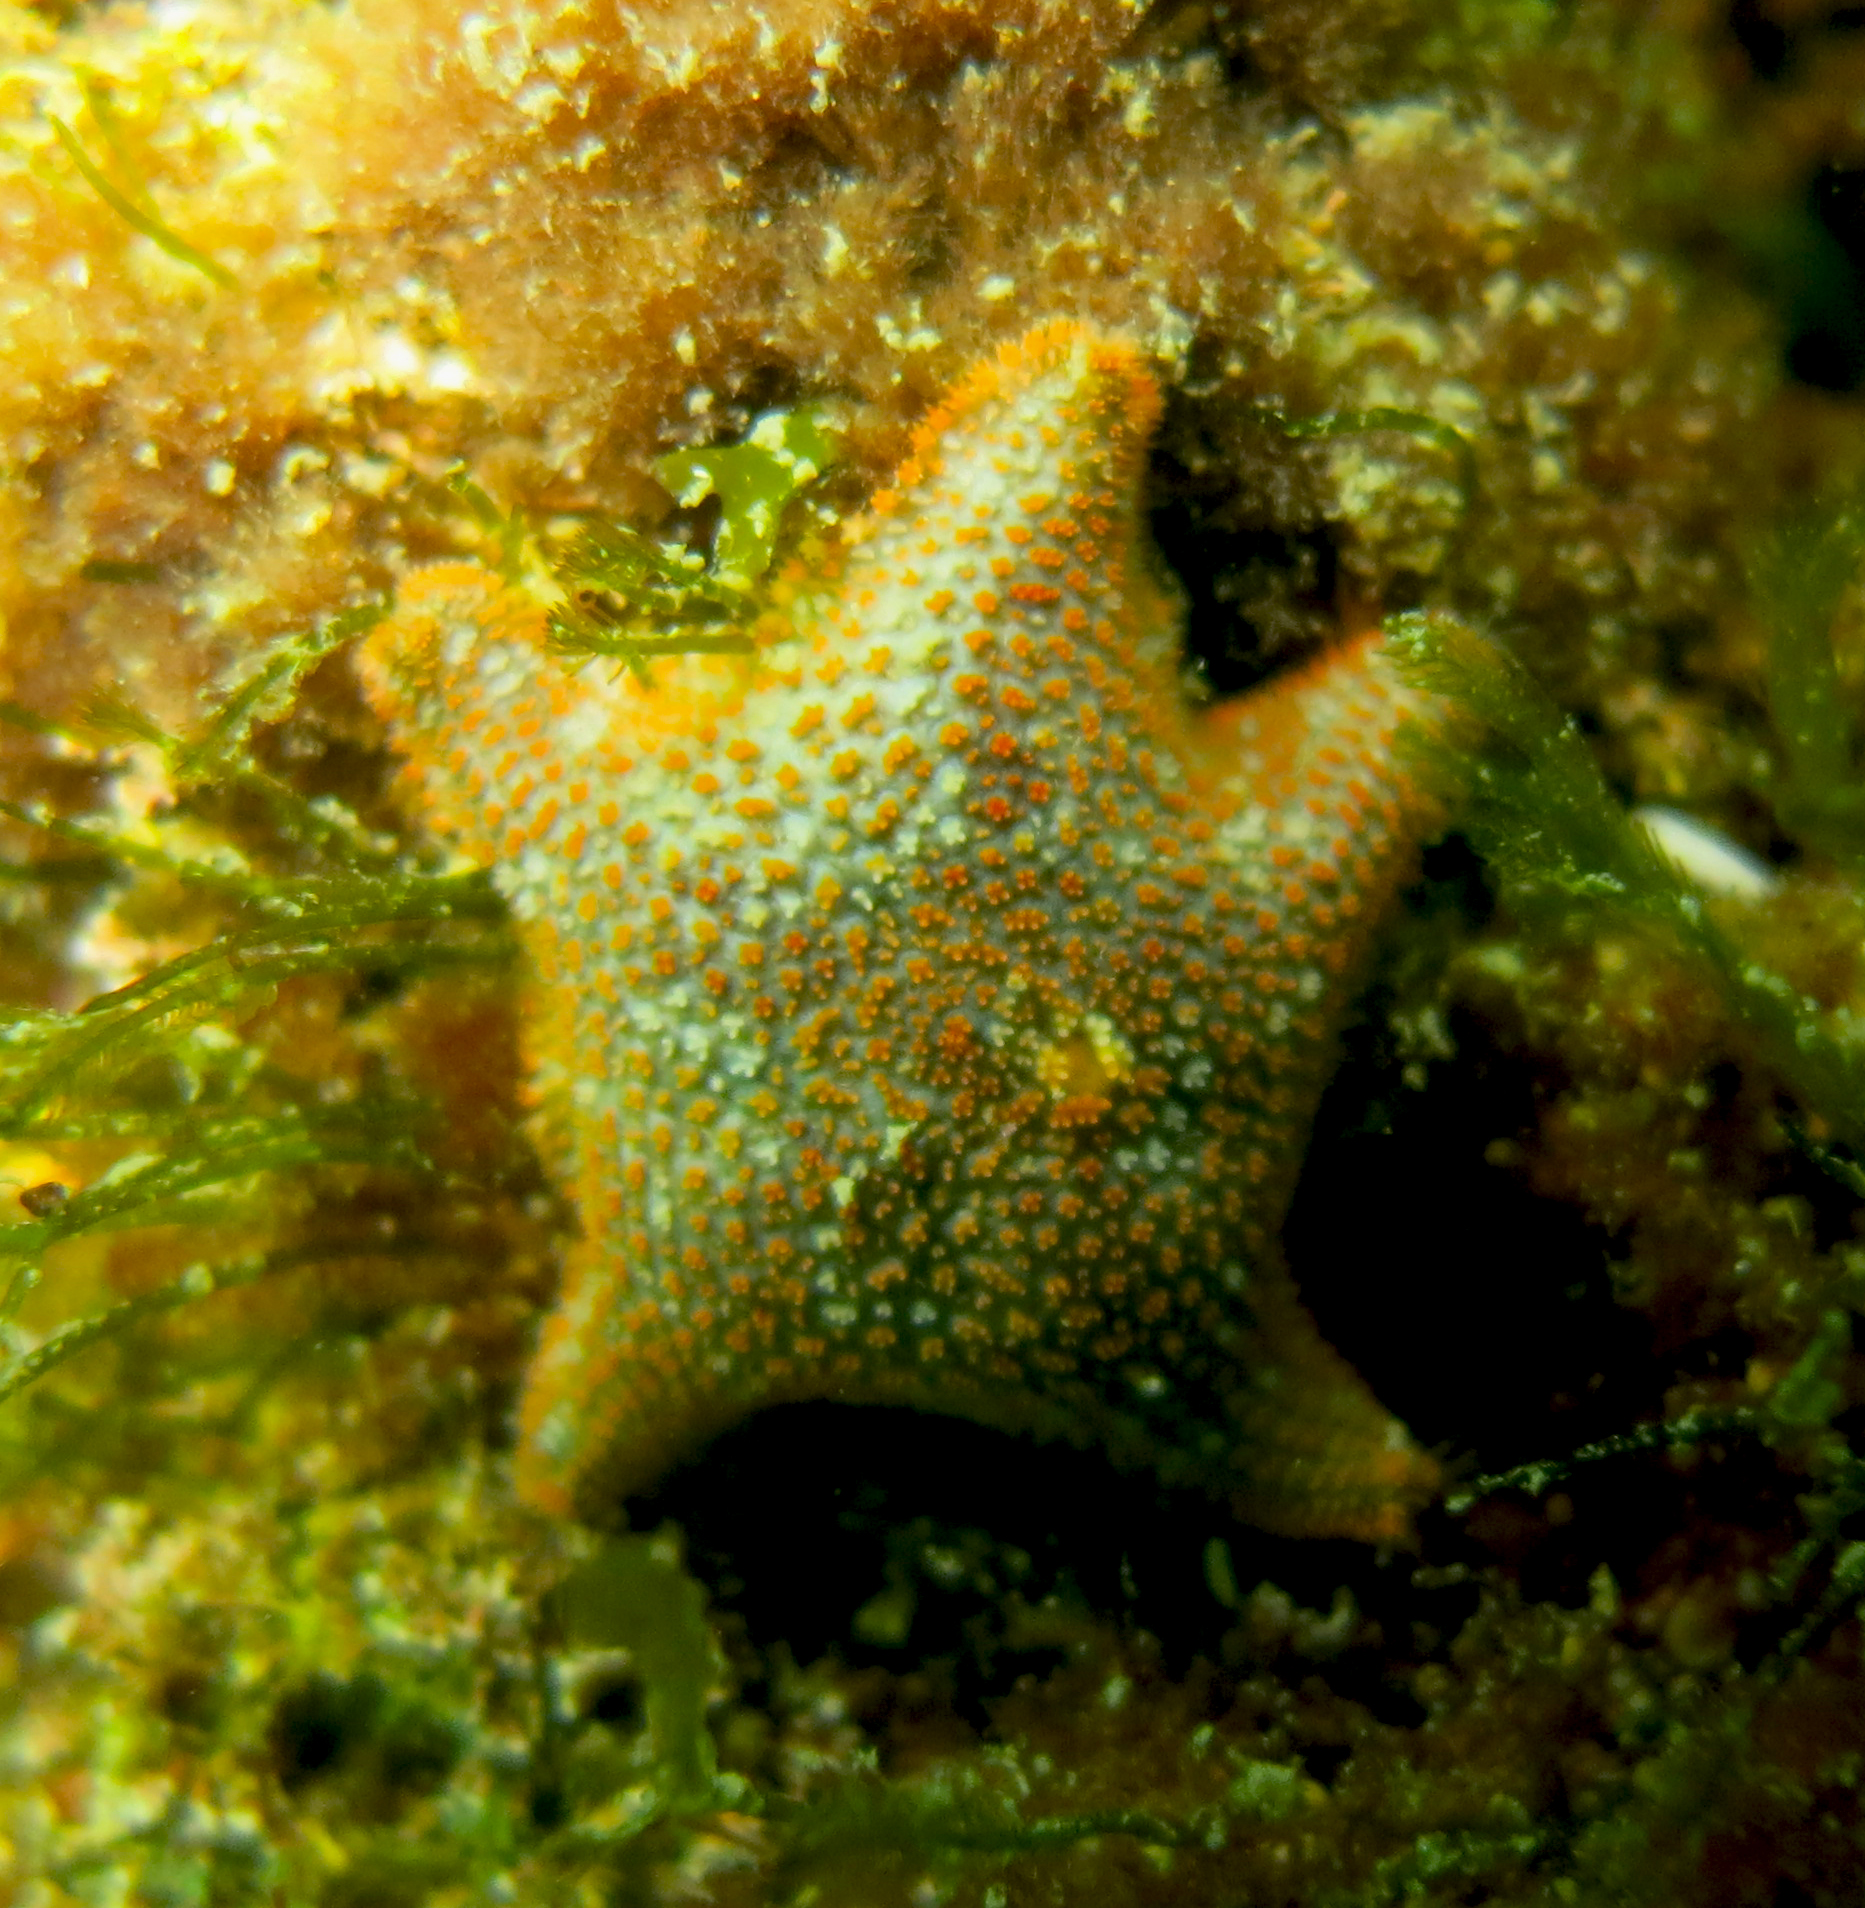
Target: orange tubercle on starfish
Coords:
[[934, 1002]]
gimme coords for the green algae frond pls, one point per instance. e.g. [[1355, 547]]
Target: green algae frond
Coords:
[[754, 481], [1800, 573], [627, 595], [1541, 813], [137, 214], [186, 1118], [1428, 430], [634, 1595]]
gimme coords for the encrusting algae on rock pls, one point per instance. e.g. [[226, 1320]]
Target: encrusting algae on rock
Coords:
[[936, 1003]]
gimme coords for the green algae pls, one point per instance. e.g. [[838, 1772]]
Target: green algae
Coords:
[[1800, 574], [1540, 810], [614, 590], [755, 481], [135, 211], [190, 1122], [1427, 430], [629, 596], [634, 1595]]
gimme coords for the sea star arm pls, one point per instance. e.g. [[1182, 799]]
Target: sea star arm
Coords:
[[1323, 810]]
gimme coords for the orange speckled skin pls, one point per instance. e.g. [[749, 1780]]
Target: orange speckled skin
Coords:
[[934, 1003]]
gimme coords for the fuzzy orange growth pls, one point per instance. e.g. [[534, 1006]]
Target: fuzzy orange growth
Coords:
[[935, 1001]]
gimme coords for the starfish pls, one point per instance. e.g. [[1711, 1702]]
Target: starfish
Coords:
[[930, 1006]]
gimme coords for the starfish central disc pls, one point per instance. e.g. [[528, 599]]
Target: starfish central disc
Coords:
[[933, 1004]]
